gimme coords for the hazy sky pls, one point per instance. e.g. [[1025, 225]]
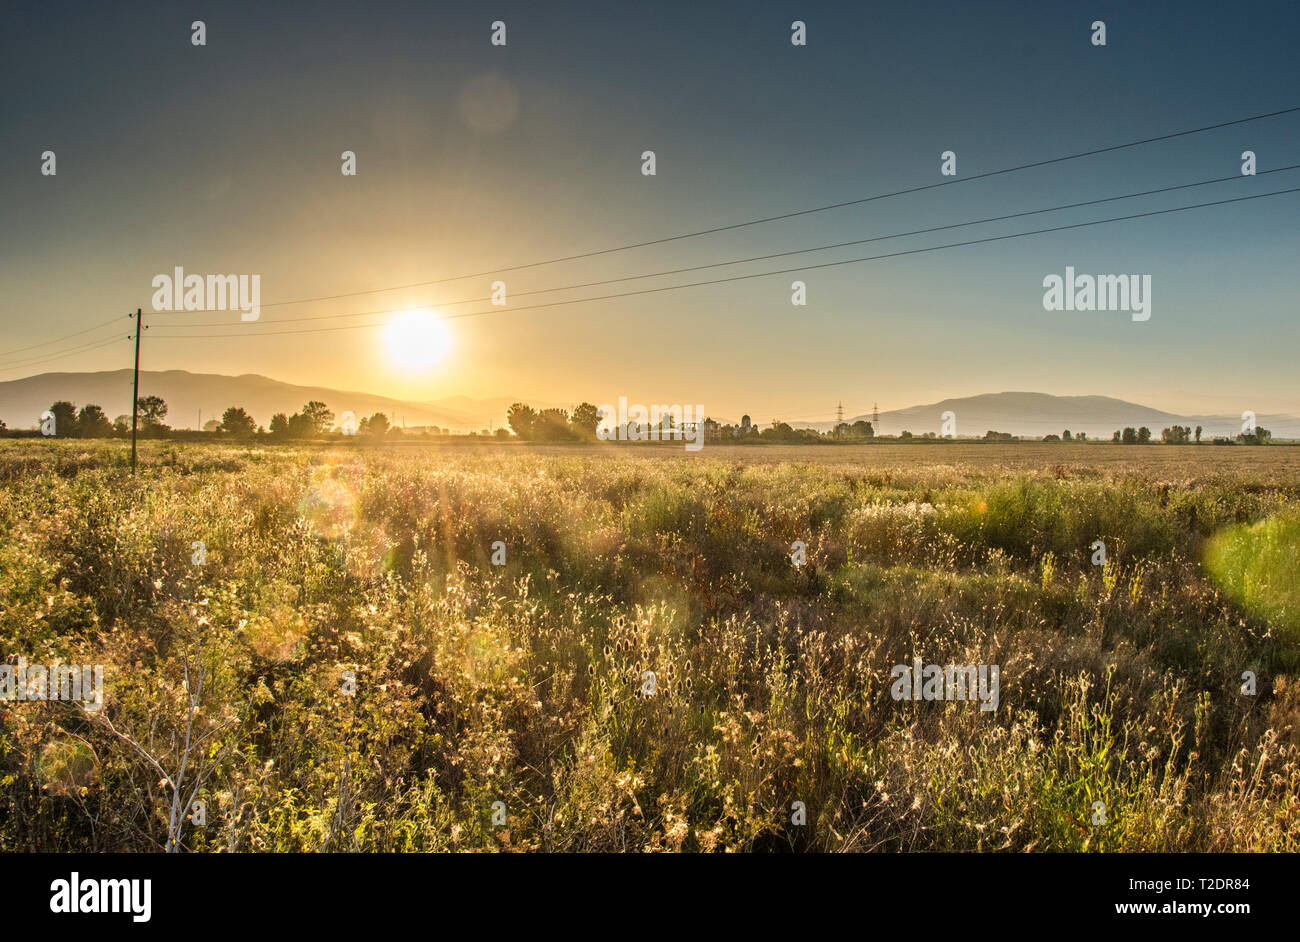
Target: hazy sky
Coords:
[[226, 159]]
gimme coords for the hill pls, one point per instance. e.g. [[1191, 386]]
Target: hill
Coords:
[[189, 394], [1038, 414]]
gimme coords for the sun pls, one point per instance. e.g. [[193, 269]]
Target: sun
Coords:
[[417, 341]]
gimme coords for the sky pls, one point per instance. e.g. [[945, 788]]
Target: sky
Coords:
[[225, 159]]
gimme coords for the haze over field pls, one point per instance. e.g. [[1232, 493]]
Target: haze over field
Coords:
[[188, 394]]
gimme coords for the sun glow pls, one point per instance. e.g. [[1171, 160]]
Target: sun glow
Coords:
[[417, 340]]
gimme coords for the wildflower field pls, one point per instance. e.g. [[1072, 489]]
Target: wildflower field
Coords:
[[605, 648]]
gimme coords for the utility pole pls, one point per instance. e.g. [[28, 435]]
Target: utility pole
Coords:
[[135, 387]]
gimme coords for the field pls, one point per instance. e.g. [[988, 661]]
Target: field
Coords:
[[343, 665]]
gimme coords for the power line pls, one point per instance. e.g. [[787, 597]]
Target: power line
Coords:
[[802, 212], [46, 358], [61, 339], [759, 258], [783, 271], [753, 222], [986, 175]]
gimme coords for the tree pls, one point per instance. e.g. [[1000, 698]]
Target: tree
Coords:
[[1130, 435], [377, 426], [584, 420], [1144, 435], [522, 420], [280, 425], [235, 421], [1198, 434], [299, 425], [863, 429], [553, 425], [92, 423], [65, 418], [152, 411], [779, 432], [1066, 436], [319, 417]]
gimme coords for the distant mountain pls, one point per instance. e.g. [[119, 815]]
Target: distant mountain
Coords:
[[1037, 414], [23, 400]]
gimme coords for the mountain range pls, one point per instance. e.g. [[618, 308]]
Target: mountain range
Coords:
[[1038, 414], [195, 398]]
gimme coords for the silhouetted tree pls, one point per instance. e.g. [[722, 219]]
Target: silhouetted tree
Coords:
[[92, 423], [235, 421], [300, 426], [377, 426], [65, 419], [152, 411], [319, 417], [553, 426], [584, 420], [522, 420]]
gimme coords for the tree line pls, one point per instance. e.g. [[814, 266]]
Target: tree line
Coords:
[[314, 420], [1184, 435]]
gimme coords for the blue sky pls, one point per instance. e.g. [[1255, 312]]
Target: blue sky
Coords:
[[225, 158]]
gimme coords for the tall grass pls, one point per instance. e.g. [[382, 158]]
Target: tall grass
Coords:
[[524, 683]]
